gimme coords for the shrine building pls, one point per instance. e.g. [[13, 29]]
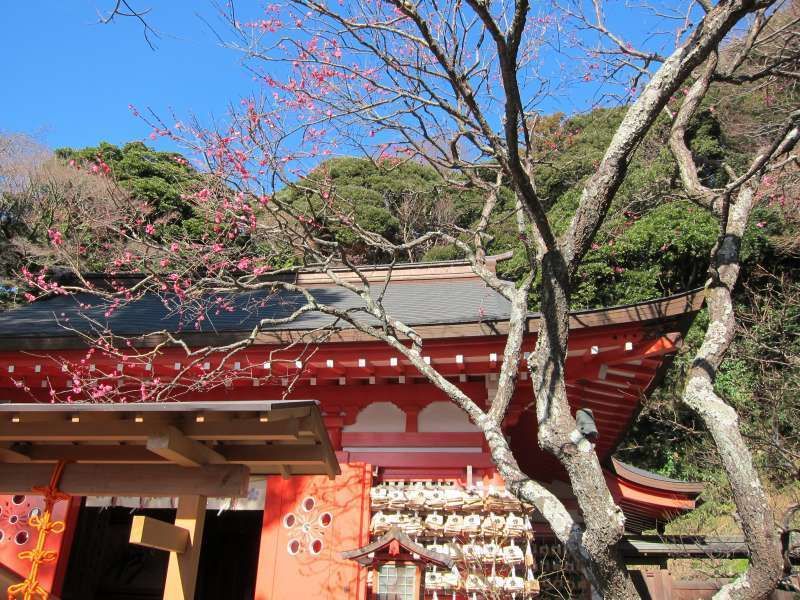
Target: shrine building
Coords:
[[313, 468]]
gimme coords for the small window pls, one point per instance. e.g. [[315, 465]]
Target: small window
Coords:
[[397, 582]]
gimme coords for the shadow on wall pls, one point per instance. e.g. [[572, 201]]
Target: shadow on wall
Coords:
[[308, 522]]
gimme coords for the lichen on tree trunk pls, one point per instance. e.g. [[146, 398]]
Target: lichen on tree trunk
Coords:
[[752, 505]]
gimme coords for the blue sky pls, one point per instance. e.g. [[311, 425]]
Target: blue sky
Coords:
[[68, 80]]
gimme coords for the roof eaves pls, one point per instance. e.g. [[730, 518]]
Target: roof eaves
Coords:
[[649, 479]]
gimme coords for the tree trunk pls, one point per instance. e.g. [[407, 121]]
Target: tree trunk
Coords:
[[754, 512], [604, 522], [599, 561]]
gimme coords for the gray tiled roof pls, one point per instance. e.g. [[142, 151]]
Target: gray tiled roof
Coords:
[[414, 303]]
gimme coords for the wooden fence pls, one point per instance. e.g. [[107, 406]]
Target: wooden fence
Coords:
[[660, 585]]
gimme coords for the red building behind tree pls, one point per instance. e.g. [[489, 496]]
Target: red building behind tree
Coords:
[[410, 460]]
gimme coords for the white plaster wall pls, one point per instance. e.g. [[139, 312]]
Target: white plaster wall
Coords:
[[379, 416], [444, 416]]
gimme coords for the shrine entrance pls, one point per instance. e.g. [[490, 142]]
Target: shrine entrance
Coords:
[[103, 564], [186, 453]]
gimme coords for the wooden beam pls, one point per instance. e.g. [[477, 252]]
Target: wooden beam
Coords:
[[128, 480], [424, 460], [130, 431], [325, 445], [175, 447], [92, 453], [182, 568], [250, 429], [66, 431], [632, 371], [302, 458], [419, 390], [264, 454], [12, 455], [665, 344], [279, 454], [403, 439], [150, 532]]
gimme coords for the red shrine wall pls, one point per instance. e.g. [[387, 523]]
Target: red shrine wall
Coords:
[[308, 522], [18, 536]]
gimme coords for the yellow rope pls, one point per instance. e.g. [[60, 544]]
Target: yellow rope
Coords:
[[30, 588]]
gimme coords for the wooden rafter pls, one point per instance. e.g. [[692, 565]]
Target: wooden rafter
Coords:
[[173, 446]]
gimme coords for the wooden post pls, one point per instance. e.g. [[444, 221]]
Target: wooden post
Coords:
[[182, 569]]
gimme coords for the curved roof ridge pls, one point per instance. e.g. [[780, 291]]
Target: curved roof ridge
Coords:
[[444, 269], [365, 554], [647, 478]]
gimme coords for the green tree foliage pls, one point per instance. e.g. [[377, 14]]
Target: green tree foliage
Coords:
[[396, 199], [654, 243], [761, 373], [762, 369], [159, 179]]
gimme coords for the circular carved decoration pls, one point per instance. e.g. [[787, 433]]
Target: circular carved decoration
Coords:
[[307, 527]]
